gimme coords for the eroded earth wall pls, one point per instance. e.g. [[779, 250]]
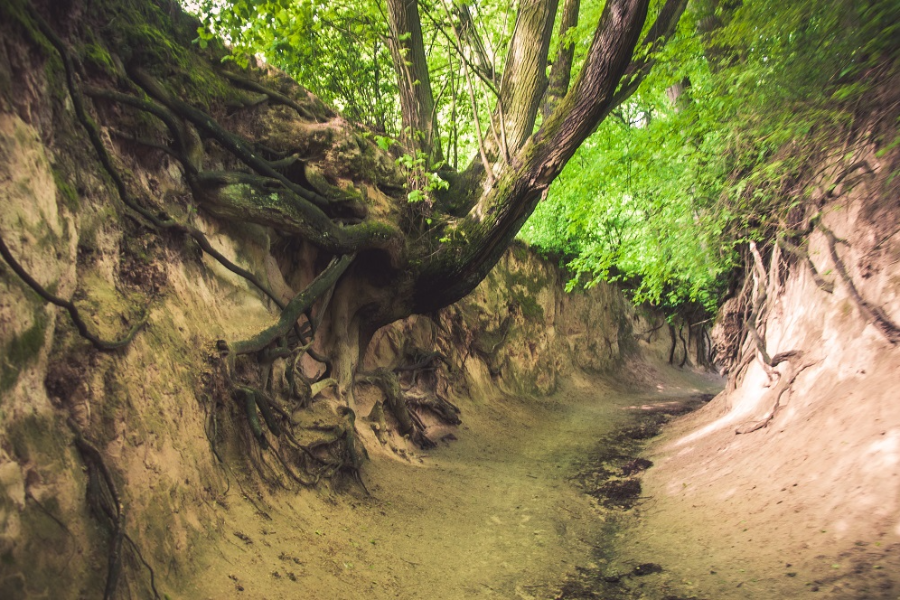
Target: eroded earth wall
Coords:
[[789, 481], [170, 444]]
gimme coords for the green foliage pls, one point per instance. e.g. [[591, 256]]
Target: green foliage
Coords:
[[666, 191], [340, 51], [669, 188], [422, 181], [336, 49]]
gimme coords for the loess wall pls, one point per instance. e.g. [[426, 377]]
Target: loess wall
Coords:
[[789, 481], [149, 409]]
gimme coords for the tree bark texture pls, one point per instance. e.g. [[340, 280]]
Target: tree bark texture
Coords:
[[561, 71], [420, 131]]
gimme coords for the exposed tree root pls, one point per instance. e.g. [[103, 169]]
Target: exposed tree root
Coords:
[[301, 303], [407, 405], [76, 547], [189, 152], [801, 254], [873, 314], [408, 425], [647, 335], [74, 314], [188, 146], [106, 504], [753, 324], [444, 410], [783, 386], [272, 95], [673, 345]]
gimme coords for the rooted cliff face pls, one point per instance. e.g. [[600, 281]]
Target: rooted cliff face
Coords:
[[125, 416], [520, 332], [141, 442], [790, 479]]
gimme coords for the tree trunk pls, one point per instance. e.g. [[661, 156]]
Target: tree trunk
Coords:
[[420, 131], [561, 71], [524, 79]]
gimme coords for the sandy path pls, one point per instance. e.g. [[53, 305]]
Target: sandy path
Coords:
[[492, 515]]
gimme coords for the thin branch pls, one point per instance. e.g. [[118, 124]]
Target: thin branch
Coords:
[[662, 29], [561, 71], [481, 152], [456, 44]]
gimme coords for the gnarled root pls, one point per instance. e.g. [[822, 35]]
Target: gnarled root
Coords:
[[784, 386], [408, 423], [408, 405]]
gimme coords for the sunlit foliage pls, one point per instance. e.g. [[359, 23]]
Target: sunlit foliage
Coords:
[[712, 151], [668, 188]]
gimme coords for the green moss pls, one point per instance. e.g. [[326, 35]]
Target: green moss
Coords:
[[93, 223], [519, 251], [15, 11], [68, 192], [98, 57], [114, 396], [36, 438], [531, 309], [22, 349], [532, 284]]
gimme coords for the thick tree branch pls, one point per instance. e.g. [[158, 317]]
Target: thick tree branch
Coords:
[[407, 46], [482, 236], [561, 71], [524, 80], [661, 31]]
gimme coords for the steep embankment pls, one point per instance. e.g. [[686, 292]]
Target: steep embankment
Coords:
[[135, 459], [789, 482]]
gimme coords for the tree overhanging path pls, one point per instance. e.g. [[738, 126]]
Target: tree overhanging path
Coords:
[[315, 181]]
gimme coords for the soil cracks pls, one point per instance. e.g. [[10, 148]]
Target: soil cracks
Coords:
[[500, 513]]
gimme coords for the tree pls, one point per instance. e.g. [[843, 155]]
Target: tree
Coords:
[[386, 238], [486, 202], [668, 194]]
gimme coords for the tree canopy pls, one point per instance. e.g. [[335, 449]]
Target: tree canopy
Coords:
[[697, 161], [713, 150]]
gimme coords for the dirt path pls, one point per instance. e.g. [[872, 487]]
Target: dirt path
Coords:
[[492, 515]]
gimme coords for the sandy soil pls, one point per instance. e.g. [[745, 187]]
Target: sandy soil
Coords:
[[495, 514], [806, 508]]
